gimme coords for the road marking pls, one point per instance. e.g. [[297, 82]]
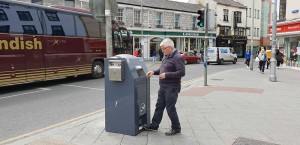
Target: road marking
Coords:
[[83, 87], [41, 90], [17, 138]]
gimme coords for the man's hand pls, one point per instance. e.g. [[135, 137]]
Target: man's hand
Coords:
[[150, 73], [162, 76]]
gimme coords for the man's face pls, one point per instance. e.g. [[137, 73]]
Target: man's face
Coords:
[[167, 50]]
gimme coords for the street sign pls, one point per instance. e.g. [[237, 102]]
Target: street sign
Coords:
[[98, 9]]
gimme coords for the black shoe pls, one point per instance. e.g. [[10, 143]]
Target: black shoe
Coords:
[[150, 127], [172, 132]]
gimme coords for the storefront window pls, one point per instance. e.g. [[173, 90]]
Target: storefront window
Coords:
[[294, 58]]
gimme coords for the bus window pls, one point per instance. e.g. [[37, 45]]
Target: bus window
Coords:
[[92, 26], [57, 30], [4, 29], [80, 29], [59, 23], [29, 29], [3, 16], [24, 15], [52, 15]]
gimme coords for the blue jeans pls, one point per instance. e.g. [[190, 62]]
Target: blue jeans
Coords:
[[167, 98]]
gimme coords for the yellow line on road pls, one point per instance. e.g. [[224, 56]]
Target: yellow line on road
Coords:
[[49, 128]]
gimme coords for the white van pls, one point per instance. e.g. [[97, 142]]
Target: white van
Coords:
[[220, 55]]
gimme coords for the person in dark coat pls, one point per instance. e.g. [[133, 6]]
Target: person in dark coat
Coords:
[[279, 57], [170, 73], [161, 55]]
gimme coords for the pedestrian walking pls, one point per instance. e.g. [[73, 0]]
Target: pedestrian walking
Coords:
[[136, 53], [247, 57], [154, 56], [170, 73], [195, 52], [279, 57], [262, 60], [257, 54], [269, 55]]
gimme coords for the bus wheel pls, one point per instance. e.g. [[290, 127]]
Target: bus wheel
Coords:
[[97, 70]]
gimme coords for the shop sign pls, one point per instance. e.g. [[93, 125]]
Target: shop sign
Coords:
[[190, 34], [286, 28]]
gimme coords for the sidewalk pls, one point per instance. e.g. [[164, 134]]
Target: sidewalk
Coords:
[[238, 105]]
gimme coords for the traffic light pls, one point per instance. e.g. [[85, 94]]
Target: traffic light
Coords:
[[201, 17]]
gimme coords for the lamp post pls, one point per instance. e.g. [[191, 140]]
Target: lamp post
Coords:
[[252, 29], [272, 77], [142, 32]]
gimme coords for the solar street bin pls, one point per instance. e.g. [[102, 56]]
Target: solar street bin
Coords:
[[127, 94]]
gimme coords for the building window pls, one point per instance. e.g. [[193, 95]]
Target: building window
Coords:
[[158, 18], [4, 29], [225, 15], [120, 15], [29, 29], [24, 16], [225, 30], [238, 16], [52, 15], [254, 15], [137, 17], [3, 16], [257, 14], [282, 10], [250, 12], [70, 3], [248, 31], [57, 30], [254, 32], [37, 2], [239, 31], [177, 21], [194, 22], [257, 32]]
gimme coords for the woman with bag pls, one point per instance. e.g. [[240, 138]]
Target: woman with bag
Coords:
[[262, 60]]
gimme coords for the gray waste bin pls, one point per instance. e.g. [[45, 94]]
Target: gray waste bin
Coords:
[[127, 94]]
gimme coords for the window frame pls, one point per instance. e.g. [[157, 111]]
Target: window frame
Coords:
[[160, 20], [5, 27], [194, 21], [52, 15], [61, 31], [136, 16], [250, 13], [3, 14], [177, 21], [225, 15], [27, 13], [120, 15], [257, 14], [27, 30], [225, 29], [238, 17]]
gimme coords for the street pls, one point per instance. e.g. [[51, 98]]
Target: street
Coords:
[[29, 107]]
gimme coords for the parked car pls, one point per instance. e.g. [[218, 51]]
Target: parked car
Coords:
[[189, 57], [220, 55]]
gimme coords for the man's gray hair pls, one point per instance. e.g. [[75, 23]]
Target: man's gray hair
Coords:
[[167, 43]]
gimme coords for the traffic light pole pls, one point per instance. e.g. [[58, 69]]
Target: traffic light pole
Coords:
[[206, 45]]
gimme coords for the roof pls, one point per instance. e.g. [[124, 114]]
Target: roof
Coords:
[[164, 4], [230, 3]]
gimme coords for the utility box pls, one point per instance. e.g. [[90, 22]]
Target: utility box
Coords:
[[127, 94]]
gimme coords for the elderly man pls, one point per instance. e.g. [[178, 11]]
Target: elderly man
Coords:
[[170, 73]]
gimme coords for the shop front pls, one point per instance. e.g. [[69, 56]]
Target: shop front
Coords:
[[183, 41], [290, 32], [238, 43]]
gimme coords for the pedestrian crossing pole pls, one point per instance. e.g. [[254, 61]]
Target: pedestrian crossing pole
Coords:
[[206, 44], [272, 77]]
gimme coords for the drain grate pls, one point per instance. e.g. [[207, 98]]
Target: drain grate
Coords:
[[248, 141]]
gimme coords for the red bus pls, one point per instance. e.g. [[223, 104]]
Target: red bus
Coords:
[[39, 43]]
